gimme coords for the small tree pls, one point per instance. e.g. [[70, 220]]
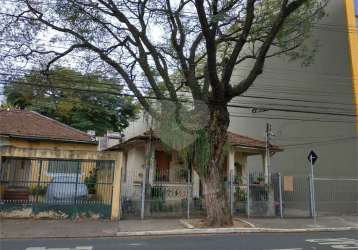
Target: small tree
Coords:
[[170, 47]]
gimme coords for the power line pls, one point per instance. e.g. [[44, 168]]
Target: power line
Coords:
[[285, 118], [324, 142], [294, 111], [154, 98], [265, 85], [295, 100], [111, 85], [239, 115], [233, 115], [267, 70], [190, 101], [265, 88]]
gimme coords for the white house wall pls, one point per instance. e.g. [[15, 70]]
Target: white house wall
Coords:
[[137, 127], [134, 172]]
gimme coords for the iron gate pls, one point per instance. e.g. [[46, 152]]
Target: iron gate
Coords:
[[296, 196], [255, 195], [160, 196]]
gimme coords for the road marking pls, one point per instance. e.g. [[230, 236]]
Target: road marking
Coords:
[[285, 249], [135, 244], [327, 240], [76, 248], [337, 243]]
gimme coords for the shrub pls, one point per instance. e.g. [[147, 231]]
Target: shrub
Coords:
[[39, 190], [91, 182]]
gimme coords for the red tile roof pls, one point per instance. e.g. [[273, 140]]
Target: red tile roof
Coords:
[[34, 126], [234, 140], [240, 140]]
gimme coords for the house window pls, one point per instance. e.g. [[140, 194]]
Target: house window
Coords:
[[63, 167]]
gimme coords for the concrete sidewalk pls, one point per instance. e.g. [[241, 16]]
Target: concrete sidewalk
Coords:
[[260, 225], [29, 228], [301, 223], [25, 229]]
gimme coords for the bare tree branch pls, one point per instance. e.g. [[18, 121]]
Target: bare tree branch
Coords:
[[257, 69]]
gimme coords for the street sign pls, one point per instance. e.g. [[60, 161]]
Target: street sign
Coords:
[[312, 157]]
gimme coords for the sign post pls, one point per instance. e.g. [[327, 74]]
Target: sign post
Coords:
[[312, 157]]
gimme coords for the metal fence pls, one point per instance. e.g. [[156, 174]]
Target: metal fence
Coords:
[[176, 194], [65, 187], [252, 195], [292, 196], [336, 196]]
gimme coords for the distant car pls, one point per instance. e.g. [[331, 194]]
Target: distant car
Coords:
[[65, 189]]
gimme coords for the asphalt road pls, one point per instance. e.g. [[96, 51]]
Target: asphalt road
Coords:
[[297, 241]]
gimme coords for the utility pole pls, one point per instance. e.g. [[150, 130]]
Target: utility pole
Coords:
[[267, 153]]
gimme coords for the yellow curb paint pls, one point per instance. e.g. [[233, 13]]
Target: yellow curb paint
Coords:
[[353, 50]]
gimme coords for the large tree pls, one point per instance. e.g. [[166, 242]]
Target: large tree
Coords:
[[85, 102], [170, 47]]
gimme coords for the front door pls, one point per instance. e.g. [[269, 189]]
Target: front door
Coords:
[[162, 160]]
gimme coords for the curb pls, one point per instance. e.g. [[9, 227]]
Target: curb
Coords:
[[195, 231], [187, 224], [40, 237], [232, 230]]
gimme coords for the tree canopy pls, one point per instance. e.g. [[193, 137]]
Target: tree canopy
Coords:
[[168, 47], [85, 102]]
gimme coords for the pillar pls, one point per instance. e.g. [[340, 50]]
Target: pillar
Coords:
[[196, 184], [265, 162], [231, 163], [150, 162], [243, 161], [116, 189]]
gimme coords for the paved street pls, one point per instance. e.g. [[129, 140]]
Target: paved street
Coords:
[[328, 240]]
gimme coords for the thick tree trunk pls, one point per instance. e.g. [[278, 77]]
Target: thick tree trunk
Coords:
[[216, 199], [217, 207]]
